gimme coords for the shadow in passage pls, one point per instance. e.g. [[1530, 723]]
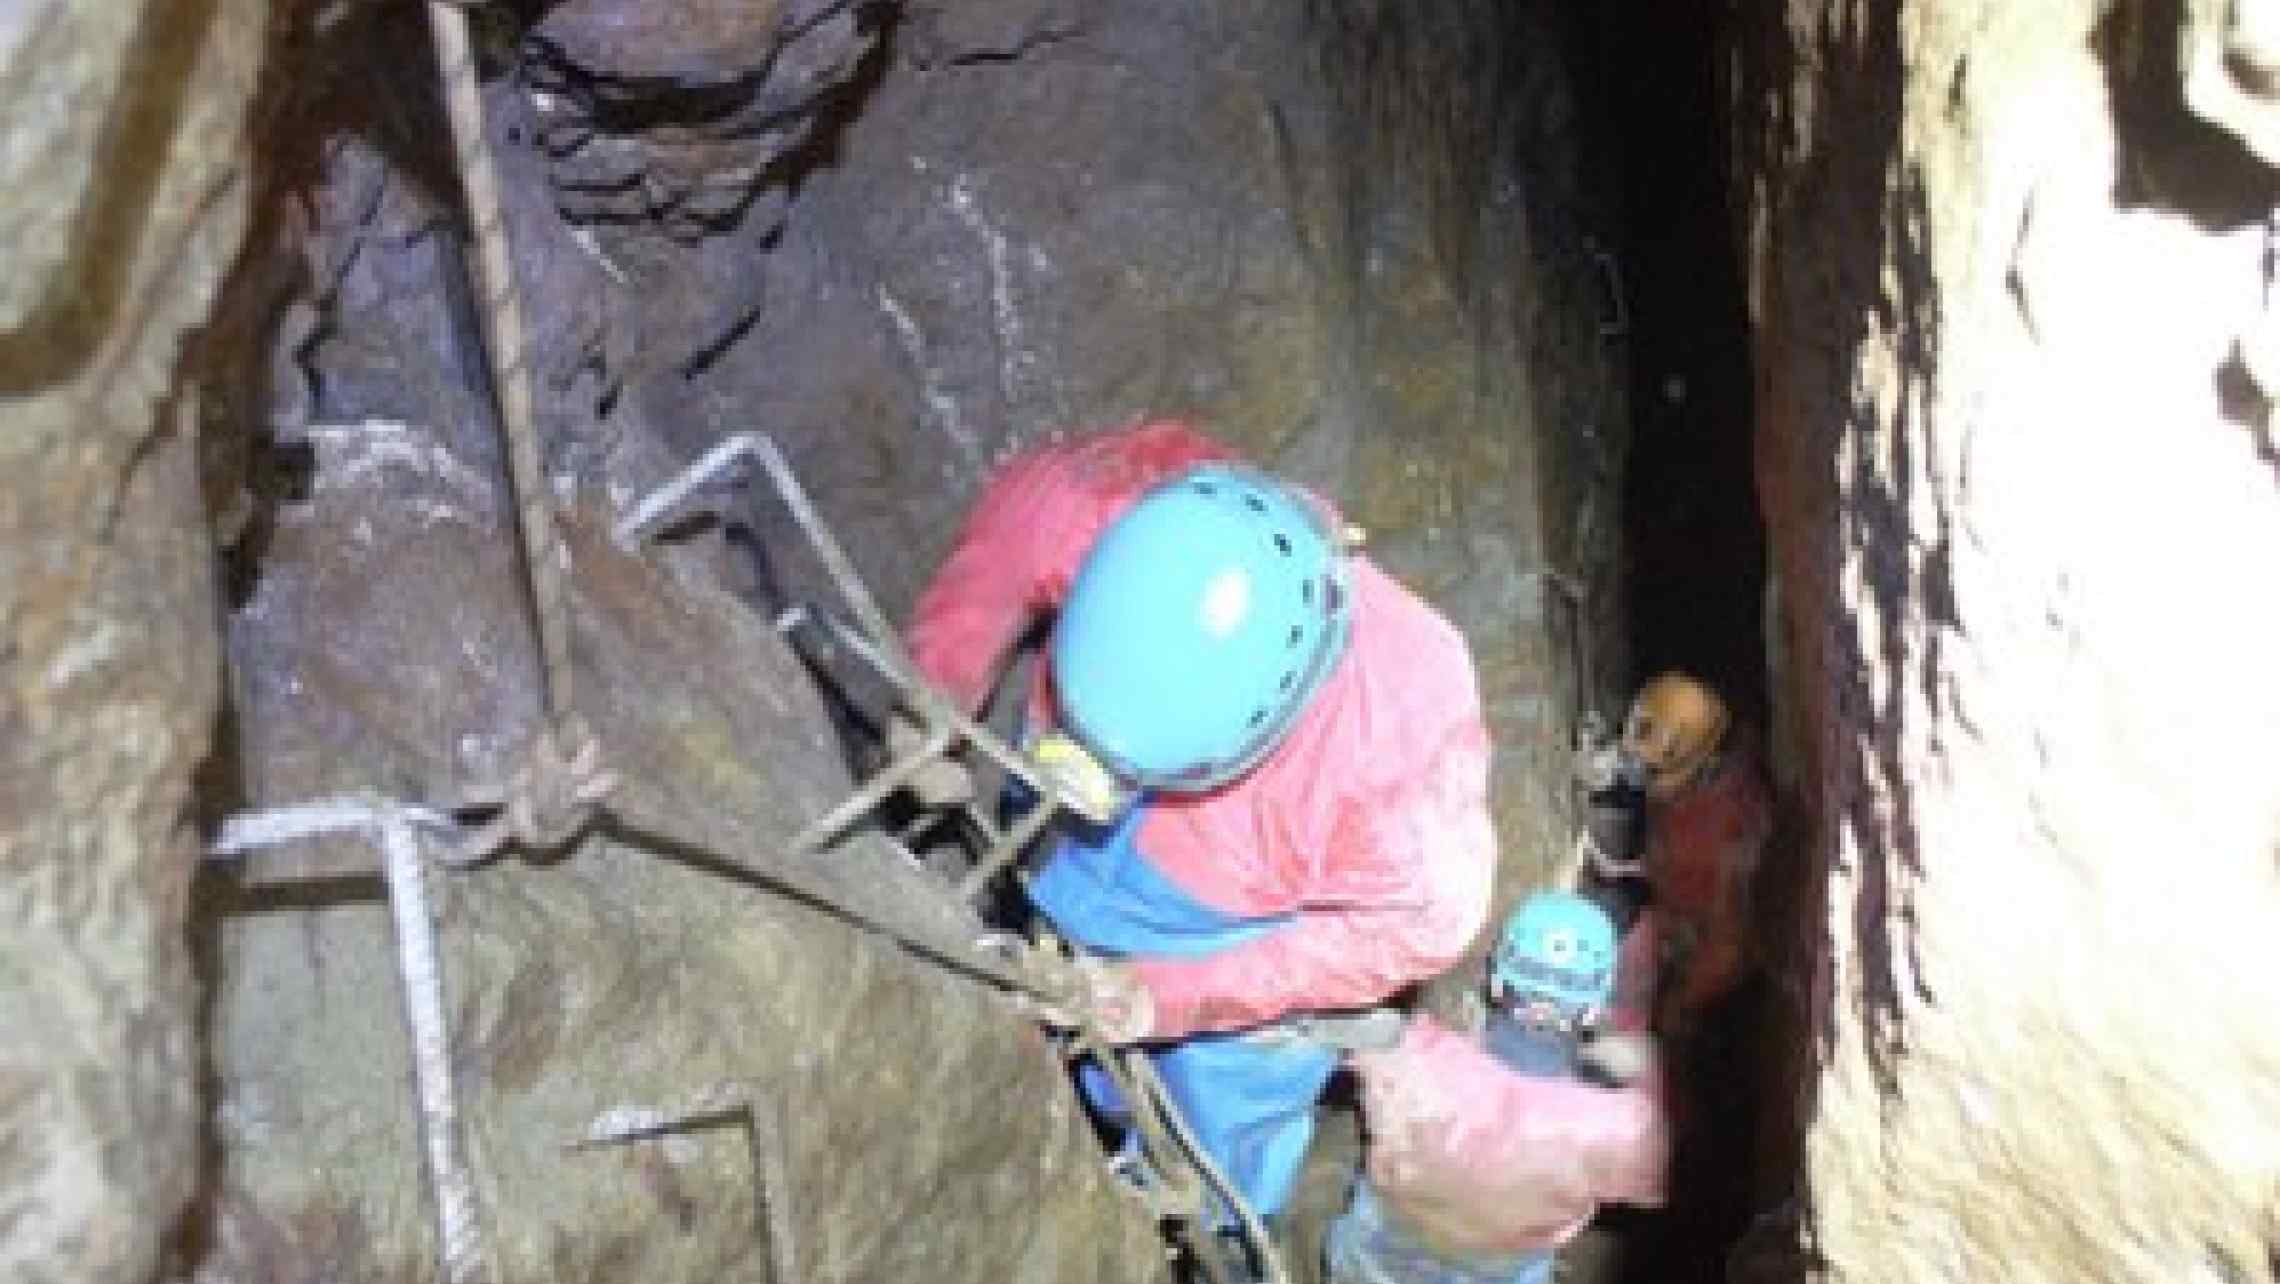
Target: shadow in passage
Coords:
[[1687, 140]]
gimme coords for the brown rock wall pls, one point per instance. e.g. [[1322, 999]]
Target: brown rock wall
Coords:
[[2013, 481]]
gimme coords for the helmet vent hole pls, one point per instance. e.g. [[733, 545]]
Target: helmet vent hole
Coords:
[[1282, 543], [1256, 504], [1297, 635], [1258, 718], [1289, 680], [1205, 488], [1333, 601], [1306, 592]]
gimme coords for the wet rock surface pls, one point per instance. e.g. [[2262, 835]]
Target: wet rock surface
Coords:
[[125, 205], [902, 1122], [673, 119], [1016, 219], [2001, 278], [1283, 221]]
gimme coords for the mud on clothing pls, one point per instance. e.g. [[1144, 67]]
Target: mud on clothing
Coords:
[[1479, 1168], [1366, 1245]]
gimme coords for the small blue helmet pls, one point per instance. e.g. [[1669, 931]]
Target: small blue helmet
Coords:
[[1560, 947], [1199, 625]]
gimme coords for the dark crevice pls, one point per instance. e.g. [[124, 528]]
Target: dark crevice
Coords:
[[1696, 542], [1694, 570]]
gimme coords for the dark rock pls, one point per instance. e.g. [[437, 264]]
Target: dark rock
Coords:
[[124, 207], [922, 1126]]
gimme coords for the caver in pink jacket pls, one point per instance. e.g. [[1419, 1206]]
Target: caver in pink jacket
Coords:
[[1369, 824], [1482, 1162]]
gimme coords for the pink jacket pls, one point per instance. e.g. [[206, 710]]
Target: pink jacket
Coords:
[[1369, 823], [1482, 1162]]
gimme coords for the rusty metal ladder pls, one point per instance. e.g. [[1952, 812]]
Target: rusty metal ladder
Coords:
[[1166, 1141]]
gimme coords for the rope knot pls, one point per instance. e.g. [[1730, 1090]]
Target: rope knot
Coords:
[[545, 803]]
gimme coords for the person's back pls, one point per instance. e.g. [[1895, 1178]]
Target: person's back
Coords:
[[1370, 821], [1311, 830], [1487, 1153]]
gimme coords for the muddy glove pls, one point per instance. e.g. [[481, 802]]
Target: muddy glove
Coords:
[[944, 782], [1617, 1058], [1110, 993], [1600, 763], [1103, 993]]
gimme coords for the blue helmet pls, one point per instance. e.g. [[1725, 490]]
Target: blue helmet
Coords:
[[1200, 624], [1560, 947]]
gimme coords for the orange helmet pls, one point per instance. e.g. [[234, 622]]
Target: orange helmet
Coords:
[[1674, 728]]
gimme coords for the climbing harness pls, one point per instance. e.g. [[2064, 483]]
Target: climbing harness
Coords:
[[1361, 1030], [1598, 769]]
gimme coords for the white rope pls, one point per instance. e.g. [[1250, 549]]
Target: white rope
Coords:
[[394, 829]]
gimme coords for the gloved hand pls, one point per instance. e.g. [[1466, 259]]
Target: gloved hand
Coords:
[[1107, 993], [1121, 1007], [1618, 1058], [944, 782], [1600, 762]]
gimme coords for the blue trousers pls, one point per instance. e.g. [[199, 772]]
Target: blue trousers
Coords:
[[1363, 1247], [1249, 1099]]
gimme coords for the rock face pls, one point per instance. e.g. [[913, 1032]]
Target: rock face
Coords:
[[2019, 473], [125, 205], [377, 636], [903, 1123]]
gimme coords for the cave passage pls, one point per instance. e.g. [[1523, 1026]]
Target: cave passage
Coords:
[[1469, 269], [1694, 543]]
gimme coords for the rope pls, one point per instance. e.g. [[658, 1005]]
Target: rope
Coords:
[[1255, 1230], [1165, 1135], [544, 804], [504, 340], [393, 828], [552, 796]]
